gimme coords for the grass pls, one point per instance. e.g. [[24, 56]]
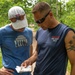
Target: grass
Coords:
[[69, 67]]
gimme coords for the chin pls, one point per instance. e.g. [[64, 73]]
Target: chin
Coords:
[[20, 30], [44, 28]]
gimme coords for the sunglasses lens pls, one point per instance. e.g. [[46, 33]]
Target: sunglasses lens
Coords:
[[40, 21]]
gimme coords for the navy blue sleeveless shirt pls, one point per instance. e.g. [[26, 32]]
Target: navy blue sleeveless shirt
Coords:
[[52, 55]]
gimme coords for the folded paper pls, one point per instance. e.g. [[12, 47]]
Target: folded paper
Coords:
[[20, 69]]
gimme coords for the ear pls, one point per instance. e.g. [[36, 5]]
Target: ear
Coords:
[[51, 14]]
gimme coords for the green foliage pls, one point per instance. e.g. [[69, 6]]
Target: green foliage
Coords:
[[70, 6], [69, 19], [69, 67], [4, 6]]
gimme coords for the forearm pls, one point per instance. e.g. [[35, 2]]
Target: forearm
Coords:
[[30, 60], [31, 50], [33, 57], [73, 70]]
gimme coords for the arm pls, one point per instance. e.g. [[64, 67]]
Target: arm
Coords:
[[31, 50], [31, 60], [31, 46], [70, 47], [5, 72]]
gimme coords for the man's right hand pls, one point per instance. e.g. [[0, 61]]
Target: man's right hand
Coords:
[[26, 63], [31, 60]]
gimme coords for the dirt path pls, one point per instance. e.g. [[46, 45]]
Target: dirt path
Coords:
[[34, 45]]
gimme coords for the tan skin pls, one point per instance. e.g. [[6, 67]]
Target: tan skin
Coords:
[[51, 22], [5, 71], [70, 47]]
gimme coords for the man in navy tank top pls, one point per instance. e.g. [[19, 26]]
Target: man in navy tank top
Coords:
[[55, 44]]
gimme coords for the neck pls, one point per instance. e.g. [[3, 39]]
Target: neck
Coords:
[[54, 23]]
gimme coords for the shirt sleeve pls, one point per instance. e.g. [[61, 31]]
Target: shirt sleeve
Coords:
[[31, 36]]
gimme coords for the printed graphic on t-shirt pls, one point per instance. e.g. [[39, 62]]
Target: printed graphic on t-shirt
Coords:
[[55, 38], [20, 41]]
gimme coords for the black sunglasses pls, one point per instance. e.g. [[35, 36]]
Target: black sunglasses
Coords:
[[42, 19]]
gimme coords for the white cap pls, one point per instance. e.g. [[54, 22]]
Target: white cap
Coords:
[[16, 10]]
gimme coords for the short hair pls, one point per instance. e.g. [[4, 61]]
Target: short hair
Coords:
[[41, 7]]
